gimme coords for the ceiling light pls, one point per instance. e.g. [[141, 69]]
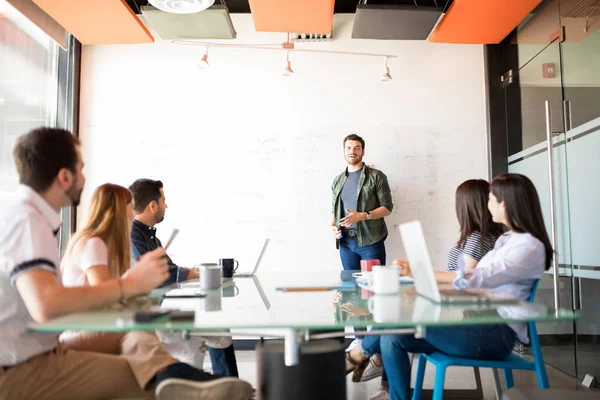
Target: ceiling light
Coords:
[[385, 77], [288, 71], [203, 62], [182, 6]]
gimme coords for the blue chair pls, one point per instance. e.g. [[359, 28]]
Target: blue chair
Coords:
[[443, 361]]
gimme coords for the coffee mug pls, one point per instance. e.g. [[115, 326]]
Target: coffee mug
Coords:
[[229, 289], [367, 265], [385, 308], [385, 280], [210, 276], [229, 265]]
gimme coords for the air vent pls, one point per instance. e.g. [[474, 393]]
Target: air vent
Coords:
[[311, 37], [213, 23], [583, 9]]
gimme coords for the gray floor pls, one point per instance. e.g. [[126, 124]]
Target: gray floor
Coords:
[[457, 378]]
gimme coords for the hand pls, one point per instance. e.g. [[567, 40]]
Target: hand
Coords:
[[353, 310], [148, 273], [403, 267], [352, 218], [337, 297], [336, 231]]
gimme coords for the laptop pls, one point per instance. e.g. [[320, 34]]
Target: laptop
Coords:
[[260, 257], [422, 272]]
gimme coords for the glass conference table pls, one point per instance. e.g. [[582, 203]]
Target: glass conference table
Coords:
[[298, 308]]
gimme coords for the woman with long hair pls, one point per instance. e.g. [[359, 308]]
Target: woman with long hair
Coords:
[[100, 251], [478, 233], [518, 260]]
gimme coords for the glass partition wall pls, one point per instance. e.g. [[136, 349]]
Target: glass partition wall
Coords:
[[551, 89]]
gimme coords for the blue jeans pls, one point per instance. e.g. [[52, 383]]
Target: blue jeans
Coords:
[[351, 253], [482, 342], [223, 361]]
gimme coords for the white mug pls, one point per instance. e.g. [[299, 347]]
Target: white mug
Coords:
[[385, 280], [210, 276], [385, 308]]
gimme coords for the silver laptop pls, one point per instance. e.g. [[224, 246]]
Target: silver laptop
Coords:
[[260, 257], [422, 271]]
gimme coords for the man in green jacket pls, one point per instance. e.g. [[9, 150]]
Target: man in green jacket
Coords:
[[361, 199]]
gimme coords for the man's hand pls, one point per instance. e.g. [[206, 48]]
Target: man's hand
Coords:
[[352, 218], [403, 267], [336, 299], [148, 273], [336, 231], [354, 310]]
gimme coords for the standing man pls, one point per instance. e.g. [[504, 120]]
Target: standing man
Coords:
[[149, 206], [361, 199]]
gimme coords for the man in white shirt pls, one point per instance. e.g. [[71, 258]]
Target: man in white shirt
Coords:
[[50, 172]]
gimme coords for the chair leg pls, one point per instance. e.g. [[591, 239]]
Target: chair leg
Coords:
[[478, 385], [438, 387], [497, 387], [508, 378], [419, 378], [542, 376]]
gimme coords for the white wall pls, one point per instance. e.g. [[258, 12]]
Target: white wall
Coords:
[[228, 142]]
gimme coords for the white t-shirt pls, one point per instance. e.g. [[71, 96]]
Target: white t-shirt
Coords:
[[27, 241], [84, 256]]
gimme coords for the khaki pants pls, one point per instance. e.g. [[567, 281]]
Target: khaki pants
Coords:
[[89, 366]]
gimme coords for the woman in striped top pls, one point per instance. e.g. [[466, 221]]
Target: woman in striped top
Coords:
[[478, 232]]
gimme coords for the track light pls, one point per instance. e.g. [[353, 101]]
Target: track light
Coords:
[[288, 71], [203, 63], [385, 77]]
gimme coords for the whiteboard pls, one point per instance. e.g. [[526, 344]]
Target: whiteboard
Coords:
[[228, 190]]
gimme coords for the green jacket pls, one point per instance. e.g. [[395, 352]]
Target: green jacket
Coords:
[[373, 192]]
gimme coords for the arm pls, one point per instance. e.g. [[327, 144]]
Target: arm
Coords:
[[474, 249], [336, 231], [470, 262], [384, 195], [46, 298], [440, 276], [519, 263]]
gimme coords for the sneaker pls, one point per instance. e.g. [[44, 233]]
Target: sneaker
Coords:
[[216, 389], [373, 370], [184, 382], [381, 394], [355, 343]]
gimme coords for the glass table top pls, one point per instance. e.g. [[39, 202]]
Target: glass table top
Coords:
[[261, 302]]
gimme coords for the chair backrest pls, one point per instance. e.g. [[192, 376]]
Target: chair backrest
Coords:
[[533, 291]]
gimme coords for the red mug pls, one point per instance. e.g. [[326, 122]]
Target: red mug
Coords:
[[367, 265]]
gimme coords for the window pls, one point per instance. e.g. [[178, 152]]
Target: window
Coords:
[[28, 87]]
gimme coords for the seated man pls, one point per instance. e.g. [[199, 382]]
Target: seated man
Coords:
[[149, 206], [49, 165]]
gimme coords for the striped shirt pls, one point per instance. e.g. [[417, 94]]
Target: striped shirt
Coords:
[[474, 247]]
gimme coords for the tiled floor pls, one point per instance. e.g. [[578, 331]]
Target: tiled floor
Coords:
[[456, 378]]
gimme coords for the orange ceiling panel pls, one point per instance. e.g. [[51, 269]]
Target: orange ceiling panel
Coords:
[[300, 16], [98, 21], [481, 21]]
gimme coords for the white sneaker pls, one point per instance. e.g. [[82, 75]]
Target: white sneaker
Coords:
[[217, 389], [355, 343], [381, 394], [373, 370]]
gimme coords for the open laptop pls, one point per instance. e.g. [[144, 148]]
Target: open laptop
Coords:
[[260, 257], [422, 271]]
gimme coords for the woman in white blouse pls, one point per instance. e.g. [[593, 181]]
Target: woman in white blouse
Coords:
[[518, 259]]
